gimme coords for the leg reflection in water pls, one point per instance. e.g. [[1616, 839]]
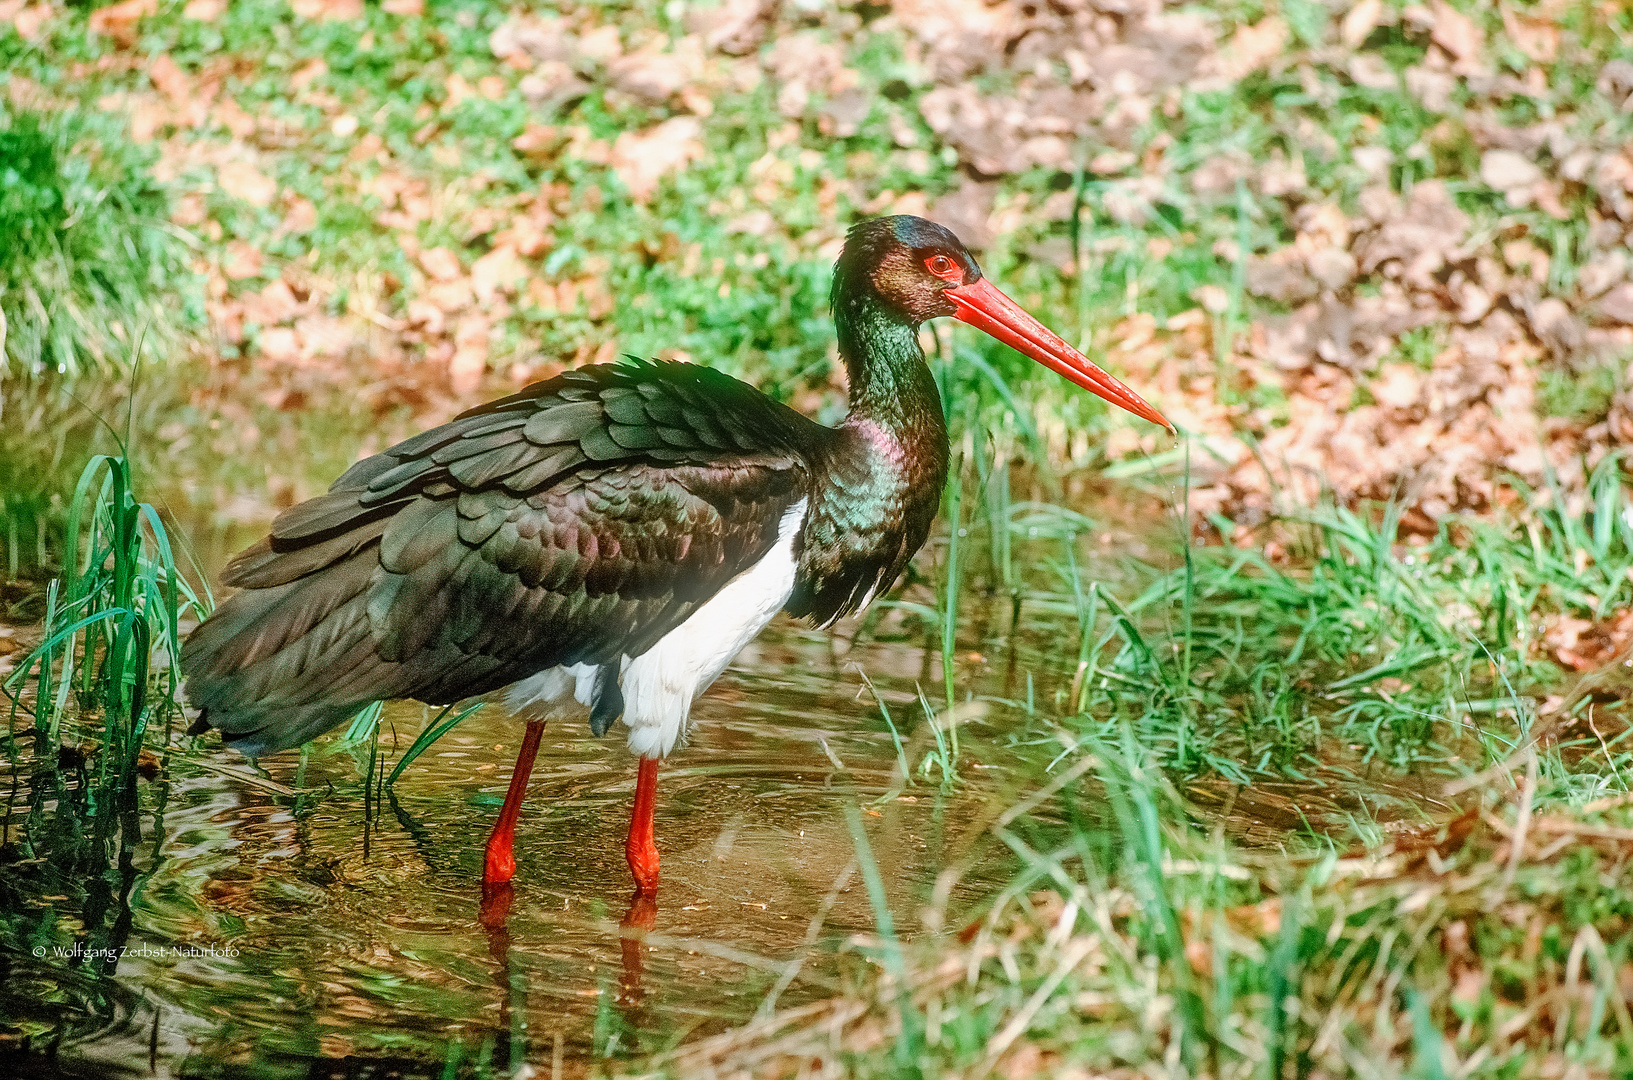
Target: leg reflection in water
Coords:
[[638, 921]]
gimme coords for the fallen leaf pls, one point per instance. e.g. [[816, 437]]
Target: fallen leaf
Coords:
[[450, 296], [601, 44], [1537, 38], [539, 142], [470, 359], [28, 22], [1511, 173], [328, 9], [303, 76], [650, 75], [241, 261], [119, 21], [280, 345], [500, 270], [1455, 32], [1615, 83], [642, 159], [1253, 47], [1617, 305], [1359, 22], [272, 305], [170, 80], [300, 216], [403, 7], [205, 10], [1398, 386], [440, 263], [230, 116], [189, 210], [244, 181], [523, 39], [737, 27]]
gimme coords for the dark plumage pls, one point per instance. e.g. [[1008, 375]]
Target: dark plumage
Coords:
[[575, 522]]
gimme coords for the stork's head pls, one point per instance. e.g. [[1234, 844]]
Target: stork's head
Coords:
[[917, 270]]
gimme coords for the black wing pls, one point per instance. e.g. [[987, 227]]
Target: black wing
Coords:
[[576, 522]]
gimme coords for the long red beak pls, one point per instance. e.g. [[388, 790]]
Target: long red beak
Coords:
[[984, 307]]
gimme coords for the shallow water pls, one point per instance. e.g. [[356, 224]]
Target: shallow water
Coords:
[[297, 920], [288, 919]]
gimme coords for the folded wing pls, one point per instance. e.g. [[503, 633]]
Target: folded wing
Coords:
[[577, 522]]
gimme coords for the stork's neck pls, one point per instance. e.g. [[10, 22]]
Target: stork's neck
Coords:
[[891, 388], [879, 483]]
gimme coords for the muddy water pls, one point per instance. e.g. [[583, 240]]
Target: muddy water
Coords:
[[287, 917]]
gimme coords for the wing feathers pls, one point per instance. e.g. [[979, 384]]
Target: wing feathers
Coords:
[[576, 522], [564, 423]]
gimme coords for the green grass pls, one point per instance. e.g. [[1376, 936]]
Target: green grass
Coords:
[[1383, 703], [111, 625], [1157, 941], [88, 257]]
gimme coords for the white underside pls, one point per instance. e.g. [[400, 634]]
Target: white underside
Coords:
[[659, 685]]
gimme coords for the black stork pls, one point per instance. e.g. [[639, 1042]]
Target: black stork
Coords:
[[614, 535]]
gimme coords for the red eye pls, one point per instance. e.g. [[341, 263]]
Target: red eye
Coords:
[[943, 268]]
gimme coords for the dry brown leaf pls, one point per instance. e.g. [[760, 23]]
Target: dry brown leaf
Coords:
[[170, 80], [539, 142], [241, 261], [230, 116], [28, 21], [1254, 47], [1456, 33], [1511, 173], [642, 159], [1359, 22], [303, 76], [441, 264], [737, 27], [470, 359], [280, 345], [1617, 305], [652, 75], [119, 21], [190, 210], [244, 181], [426, 317], [601, 44], [500, 270], [450, 296], [1537, 38], [324, 335], [272, 305], [403, 7], [205, 10], [328, 9], [300, 216]]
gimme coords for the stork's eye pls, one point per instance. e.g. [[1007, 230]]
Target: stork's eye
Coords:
[[943, 268]]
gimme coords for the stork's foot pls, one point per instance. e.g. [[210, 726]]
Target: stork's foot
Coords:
[[496, 901], [641, 849]]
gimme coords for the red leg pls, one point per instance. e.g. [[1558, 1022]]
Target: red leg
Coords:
[[640, 848], [501, 859]]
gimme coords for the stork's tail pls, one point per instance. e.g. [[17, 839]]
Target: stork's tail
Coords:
[[286, 660]]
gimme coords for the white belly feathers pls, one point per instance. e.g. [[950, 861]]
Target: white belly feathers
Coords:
[[659, 685]]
